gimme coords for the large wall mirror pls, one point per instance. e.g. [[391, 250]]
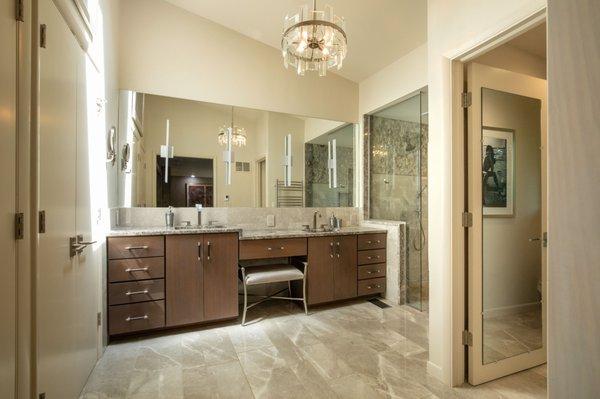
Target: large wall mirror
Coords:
[[182, 153]]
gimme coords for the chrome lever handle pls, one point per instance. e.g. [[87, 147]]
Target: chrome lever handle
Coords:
[[532, 239]]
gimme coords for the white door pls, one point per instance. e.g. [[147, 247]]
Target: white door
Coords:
[[8, 134], [507, 197], [66, 284]]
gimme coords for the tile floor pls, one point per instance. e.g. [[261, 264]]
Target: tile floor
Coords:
[[355, 350], [511, 335]]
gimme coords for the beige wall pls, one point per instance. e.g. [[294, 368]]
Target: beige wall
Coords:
[[194, 129], [515, 60], [512, 265], [574, 184], [314, 128], [168, 51], [454, 27]]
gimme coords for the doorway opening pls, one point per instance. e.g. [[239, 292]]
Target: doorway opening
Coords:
[[504, 175]]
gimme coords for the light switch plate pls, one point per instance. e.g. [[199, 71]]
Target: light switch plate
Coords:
[[270, 220]]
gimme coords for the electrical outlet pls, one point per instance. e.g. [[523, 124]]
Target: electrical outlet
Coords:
[[270, 220]]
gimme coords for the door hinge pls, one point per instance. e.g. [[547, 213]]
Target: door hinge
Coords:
[[467, 219], [42, 222], [467, 338], [43, 35], [19, 226], [545, 239], [19, 11], [99, 319], [42, 395], [466, 99]]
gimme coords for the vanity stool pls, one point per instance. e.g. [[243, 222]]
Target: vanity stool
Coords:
[[266, 274]]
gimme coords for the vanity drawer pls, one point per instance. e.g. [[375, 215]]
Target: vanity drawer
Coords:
[[371, 286], [135, 247], [272, 248], [136, 317], [371, 256], [136, 291], [371, 271], [135, 269], [371, 241]]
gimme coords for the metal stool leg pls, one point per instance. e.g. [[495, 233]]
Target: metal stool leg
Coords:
[[304, 290], [245, 297]]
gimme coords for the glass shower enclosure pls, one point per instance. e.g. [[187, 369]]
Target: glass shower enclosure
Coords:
[[396, 174]]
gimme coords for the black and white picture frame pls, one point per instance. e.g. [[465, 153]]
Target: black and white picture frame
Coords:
[[497, 161]]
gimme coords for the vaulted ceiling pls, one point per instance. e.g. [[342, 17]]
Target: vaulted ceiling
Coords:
[[379, 31]]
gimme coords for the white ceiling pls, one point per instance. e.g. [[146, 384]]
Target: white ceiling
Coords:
[[379, 31]]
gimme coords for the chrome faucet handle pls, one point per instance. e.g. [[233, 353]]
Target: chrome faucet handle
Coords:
[[306, 227], [186, 223]]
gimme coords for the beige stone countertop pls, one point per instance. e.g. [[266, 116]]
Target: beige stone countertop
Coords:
[[158, 231], [245, 234], [248, 234]]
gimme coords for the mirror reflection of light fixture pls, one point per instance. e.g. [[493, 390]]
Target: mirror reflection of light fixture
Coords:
[[166, 152], [228, 156], [238, 134], [332, 163], [287, 160], [125, 158]]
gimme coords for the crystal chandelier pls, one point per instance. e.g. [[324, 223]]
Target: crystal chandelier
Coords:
[[314, 40], [238, 134]]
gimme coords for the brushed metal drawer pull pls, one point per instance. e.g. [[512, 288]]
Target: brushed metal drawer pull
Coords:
[[129, 293], [129, 248], [133, 318], [137, 269], [371, 271], [281, 248], [269, 249], [331, 249], [373, 257], [370, 287]]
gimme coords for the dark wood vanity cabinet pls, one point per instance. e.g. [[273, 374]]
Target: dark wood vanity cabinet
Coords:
[[169, 281], [332, 268], [201, 275]]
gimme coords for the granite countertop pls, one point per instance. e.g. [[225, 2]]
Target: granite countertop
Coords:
[[157, 231], [245, 234]]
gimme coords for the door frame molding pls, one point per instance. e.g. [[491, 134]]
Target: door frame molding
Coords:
[[459, 260]]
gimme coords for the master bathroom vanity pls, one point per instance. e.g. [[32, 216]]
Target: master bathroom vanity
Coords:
[[168, 278]]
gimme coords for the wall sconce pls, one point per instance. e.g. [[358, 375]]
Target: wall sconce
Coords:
[[166, 152], [228, 157], [332, 163], [287, 161], [111, 142]]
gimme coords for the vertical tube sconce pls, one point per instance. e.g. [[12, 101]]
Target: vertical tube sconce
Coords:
[[287, 161], [332, 163], [228, 157], [167, 151]]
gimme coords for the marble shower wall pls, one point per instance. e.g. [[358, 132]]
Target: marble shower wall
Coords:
[[398, 150], [318, 192]]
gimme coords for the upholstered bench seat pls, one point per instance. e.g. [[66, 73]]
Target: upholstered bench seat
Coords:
[[272, 274]]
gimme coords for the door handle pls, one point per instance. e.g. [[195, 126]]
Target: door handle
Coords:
[[532, 239], [331, 249], [208, 250], [199, 251], [338, 249]]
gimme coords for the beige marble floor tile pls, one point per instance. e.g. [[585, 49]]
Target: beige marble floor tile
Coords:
[[353, 350]]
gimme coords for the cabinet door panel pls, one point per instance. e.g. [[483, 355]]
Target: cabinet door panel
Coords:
[[345, 269], [220, 276], [319, 280], [184, 279]]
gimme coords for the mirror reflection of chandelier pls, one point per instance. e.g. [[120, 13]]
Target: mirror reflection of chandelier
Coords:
[[314, 40], [238, 134]]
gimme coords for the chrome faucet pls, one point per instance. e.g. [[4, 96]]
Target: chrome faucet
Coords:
[[199, 209], [315, 215]]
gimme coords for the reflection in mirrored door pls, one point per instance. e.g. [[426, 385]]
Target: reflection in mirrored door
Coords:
[[511, 199]]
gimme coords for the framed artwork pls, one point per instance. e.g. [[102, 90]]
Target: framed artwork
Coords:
[[199, 194], [497, 161]]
